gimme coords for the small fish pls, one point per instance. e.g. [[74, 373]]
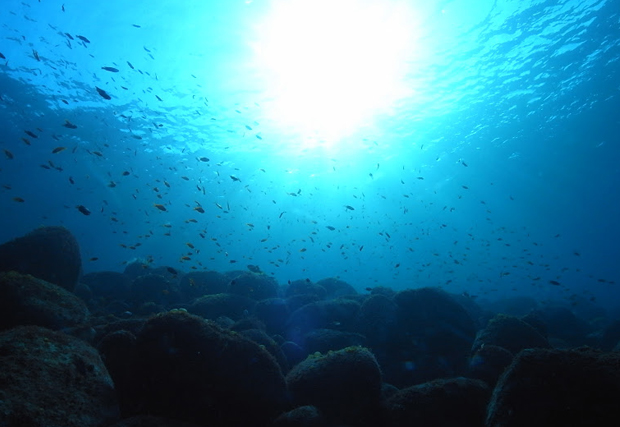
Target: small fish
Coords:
[[30, 134], [397, 265], [110, 69], [160, 207], [2, 56], [303, 250], [130, 66], [84, 39], [554, 282], [71, 180], [83, 209], [158, 98], [69, 125], [203, 159], [329, 227], [199, 209], [421, 178], [35, 54], [465, 187], [58, 150], [8, 154], [172, 271], [349, 208], [463, 163], [234, 178], [18, 200], [125, 173], [281, 213], [103, 93]]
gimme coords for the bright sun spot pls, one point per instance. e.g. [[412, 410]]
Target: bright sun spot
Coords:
[[334, 64]]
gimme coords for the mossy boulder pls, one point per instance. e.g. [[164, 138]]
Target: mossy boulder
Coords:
[[48, 253]]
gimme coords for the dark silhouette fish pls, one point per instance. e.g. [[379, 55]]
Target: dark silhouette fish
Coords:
[[103, 93]]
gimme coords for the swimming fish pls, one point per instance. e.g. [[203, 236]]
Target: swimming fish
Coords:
[[58, 149], [349, 208], [160, 207], [83, 209], [110, 69], [69, 125], [234, 178], [103, 93], [84, 39]]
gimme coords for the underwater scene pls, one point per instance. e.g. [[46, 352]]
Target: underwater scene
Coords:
[[309, 213]]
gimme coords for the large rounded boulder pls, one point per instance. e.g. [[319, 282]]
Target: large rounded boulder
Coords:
[[194, 371], [48, 253], [26, 300], [52, 379]]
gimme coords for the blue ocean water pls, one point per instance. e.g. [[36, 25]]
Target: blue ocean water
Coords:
[[491, 168]]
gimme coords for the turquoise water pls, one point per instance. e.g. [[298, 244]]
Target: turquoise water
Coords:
[[483, 159]]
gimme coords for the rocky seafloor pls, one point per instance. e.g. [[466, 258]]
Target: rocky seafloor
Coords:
[[159, 347]]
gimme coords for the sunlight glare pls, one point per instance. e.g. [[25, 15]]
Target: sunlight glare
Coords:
[[335, 64]]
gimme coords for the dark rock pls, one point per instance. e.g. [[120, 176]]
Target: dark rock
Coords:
[[213, 306], [154, 288], [345, 385], [447, 402], [52, 379], [254, 286], [295, 302], [339, 314], [303, 416], [108, 285], [273, 312], [48, 253], [324, 340], [118, 351], [262, 339], [137, 268], [558, 388], [305, 287], [26, 300], [378, 319], [565, 327], [150, 421], [193, 371], [432, 339], [198, 283], [336, 288], [510, 333], [488, 363], [294, 352]]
